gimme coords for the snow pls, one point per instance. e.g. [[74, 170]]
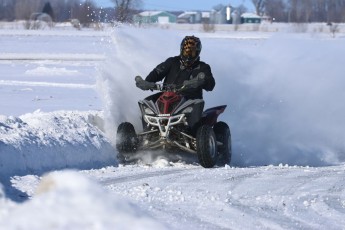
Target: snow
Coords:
[[64, 92]]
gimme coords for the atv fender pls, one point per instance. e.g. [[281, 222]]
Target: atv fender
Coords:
[[210, 116]]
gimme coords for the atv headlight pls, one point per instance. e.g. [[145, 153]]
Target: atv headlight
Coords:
[[148, 111], [188, 110]]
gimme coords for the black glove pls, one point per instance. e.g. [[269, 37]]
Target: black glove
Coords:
[[199, 80], [144, 85]]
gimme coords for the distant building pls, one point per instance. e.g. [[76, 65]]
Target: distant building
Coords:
[[205, 16], [193, 17], [149, 17], [250, 18], [216, 17], [222, 15], [189, 17]]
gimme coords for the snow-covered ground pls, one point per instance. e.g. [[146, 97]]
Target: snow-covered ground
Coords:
[[63, 93]]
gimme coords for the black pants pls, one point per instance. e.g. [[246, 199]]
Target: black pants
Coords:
[[194, 118]]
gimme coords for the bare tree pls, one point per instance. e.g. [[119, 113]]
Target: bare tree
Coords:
[[307, 10], [7, 10], [259, 6], [63, 9], [24, 8], [218, 7], [86, 13], [341, 11], [47, 8], [241, 9], [124, 9], [297, 11], [276, 10], [316, 10], [319, 11]]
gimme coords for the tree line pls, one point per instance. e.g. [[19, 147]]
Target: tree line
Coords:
[[63, 10], [86, 11], [302, 11]]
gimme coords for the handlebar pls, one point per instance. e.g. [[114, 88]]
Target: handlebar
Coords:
[[164, 87], [138, 78]]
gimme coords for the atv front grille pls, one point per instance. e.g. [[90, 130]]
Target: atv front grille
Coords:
[[165, 123]]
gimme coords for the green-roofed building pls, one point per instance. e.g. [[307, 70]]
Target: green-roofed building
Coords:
[[149, 17]]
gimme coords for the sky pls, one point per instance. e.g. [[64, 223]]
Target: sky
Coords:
[[64, 91], [185, 5]]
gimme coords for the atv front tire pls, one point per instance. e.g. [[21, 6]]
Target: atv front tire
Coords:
[[126, 138], [223, 135], [206, 146]]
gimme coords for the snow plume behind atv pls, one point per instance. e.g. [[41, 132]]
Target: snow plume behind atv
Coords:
[[166, 127]]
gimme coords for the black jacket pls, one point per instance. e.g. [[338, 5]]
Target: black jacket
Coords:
[[174, 73]]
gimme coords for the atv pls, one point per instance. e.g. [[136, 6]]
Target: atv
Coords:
[[165, 126]]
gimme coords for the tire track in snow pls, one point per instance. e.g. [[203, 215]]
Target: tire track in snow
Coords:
[[191, 218], [50, 57], [279, 204], [131, 178], [331, 201], [46, 84]]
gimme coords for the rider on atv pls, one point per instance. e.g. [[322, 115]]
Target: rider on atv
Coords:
[[187, 70], [174, 120]]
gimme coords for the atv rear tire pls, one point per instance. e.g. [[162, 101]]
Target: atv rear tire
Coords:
[[223, 135], [206, 146], [126, 138]]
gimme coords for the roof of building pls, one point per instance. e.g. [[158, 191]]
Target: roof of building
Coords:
[[250, 15], [204, 14], [150, 13]]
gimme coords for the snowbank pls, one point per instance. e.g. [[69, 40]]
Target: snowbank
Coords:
[[68, 200], [39, 142]]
